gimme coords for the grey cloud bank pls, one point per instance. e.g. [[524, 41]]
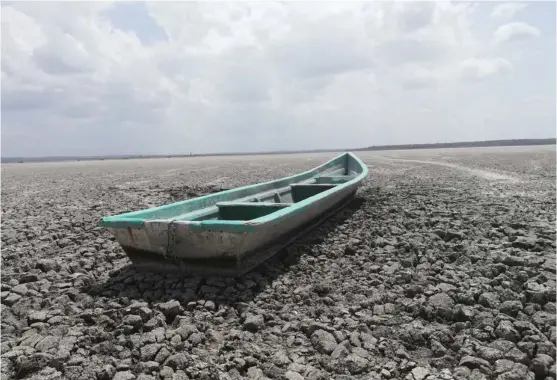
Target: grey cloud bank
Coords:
[[172, 78]]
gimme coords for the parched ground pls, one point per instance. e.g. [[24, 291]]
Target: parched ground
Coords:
[[443, 267]]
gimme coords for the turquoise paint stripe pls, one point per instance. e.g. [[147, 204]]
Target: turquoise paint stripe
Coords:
[[131, 219], [118, 222]]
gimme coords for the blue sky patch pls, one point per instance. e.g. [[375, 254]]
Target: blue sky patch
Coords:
[[134, 17]]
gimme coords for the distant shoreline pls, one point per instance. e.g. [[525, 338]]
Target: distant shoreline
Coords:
[[467, 144]]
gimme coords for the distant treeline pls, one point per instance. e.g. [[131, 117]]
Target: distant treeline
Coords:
[[470, 144]]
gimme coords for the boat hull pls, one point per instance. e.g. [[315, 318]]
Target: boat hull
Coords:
[[226, 265], [218, 247]]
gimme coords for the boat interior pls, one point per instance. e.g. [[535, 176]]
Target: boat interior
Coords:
[[268, 202]]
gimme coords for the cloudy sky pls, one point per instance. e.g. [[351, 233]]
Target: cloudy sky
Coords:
[[98, 78]]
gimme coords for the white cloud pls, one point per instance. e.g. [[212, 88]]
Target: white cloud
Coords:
[[95, 78], [418, 78], [515, 31], [507, 10], [482, 68]]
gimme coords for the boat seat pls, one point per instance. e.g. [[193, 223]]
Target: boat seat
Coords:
[[248, 210], [252, 204], [301, 191], [196, 215], [276, 198], [333, 179]]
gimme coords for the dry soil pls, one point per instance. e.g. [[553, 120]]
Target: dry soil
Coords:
[[443, 267]]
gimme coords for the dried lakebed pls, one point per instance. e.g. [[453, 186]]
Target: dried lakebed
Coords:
[[443, 267]]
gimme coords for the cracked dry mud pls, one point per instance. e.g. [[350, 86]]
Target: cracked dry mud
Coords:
[[443, 267]]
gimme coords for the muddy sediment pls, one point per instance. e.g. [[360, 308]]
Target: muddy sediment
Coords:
[[434, 271]]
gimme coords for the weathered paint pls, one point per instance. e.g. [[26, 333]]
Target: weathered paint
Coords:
[[223, 266], [236, 238]]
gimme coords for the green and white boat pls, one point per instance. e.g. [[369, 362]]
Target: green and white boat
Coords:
[[233, 231]]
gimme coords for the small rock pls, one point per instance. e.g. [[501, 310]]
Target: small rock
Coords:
[[511, 308], [323, 341], [503, 365], [547, 349], [28, 364], [420, 373], [239, 363], [171, 309], [475, 363], [502, 345], [340, 352], [37, 316], [290, 375], [162, 355], [280, 358], [356, 364], [178, 361], [133, 320], [48, 343], [145, 377], [176, 341], [62, 243], [166, 372], [185, 330], [542, 364], [254, 323], [535, 292], [464, 313], [11, 299], [443, 304], [462, 373], [507, 370], [150, 366], [505, 330], [28, 277], [489, 300], [525, 242], [255, 373], [195, 338], [125, 375], [180, 375], [47, 265], [517, 356], [488, 353], [351, 247], [438, 349], [149, 351], [107, 372]]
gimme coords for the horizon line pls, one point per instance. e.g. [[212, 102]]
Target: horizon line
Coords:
[[458, 144]]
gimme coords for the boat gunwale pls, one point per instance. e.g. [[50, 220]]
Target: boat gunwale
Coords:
[[126, 220]]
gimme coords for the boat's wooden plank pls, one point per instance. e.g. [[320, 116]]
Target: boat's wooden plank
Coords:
[[247, 210], [197, 214], [302, 191], [253, 204], [334, 179]]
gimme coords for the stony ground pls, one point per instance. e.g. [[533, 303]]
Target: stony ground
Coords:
[[443, 267]]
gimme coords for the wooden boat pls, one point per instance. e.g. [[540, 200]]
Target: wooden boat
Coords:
[[233, 231]]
